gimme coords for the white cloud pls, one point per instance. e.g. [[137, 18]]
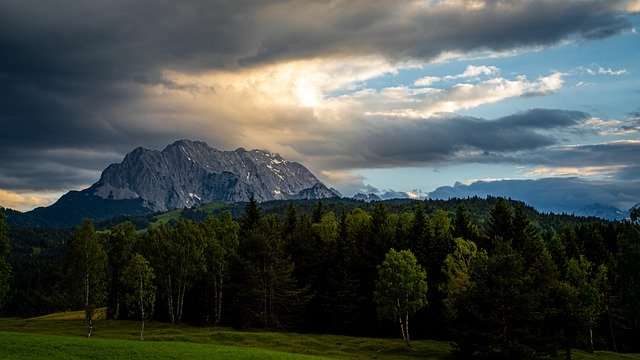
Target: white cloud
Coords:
[[471, 72], [599, 70], [427, 81], [462, 96], [475, 71]]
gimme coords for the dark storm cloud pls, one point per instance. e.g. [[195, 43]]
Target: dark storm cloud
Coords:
[[385, 143], [66, 67], [616, 153]]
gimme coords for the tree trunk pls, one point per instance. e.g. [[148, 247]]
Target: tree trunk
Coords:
[[116, 313], [141, 309], [406, 329], [87, 312], [404, 336], [172, 317], [181, 290], [611, 331], [591, 347], [220, 285], [264, 295]]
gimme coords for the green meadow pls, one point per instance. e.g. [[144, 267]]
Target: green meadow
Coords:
[[62, 336]]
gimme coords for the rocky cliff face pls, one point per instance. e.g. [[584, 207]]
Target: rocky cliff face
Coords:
[[188, 173]]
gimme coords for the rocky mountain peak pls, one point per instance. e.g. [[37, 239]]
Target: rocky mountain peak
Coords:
[[186, 173]]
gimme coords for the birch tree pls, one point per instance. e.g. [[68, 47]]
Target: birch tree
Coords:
[[401, 289], [86, 265], [139, 278], [221, 246]]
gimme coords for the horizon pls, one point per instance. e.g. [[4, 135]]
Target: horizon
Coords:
[[371, 97]]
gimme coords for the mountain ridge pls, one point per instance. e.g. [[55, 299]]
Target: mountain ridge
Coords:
[[569, 195], [185, 173]]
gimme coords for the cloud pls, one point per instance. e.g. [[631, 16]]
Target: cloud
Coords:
[[616, 159], [26, 201], [599, 70], [387, 142], [427, 102], [471, 71], [584, 171], [633, 6], [96, 79]]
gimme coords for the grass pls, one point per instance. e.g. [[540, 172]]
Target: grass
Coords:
[[51, 347], [61, 335], [167, 217]]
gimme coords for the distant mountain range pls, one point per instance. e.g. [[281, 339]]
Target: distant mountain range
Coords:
[[184, 174], [189, 173], [559, 195]]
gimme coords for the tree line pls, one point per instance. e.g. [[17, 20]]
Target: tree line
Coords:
[[503, 286]]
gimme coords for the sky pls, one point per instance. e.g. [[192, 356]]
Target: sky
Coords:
[[370, 95]]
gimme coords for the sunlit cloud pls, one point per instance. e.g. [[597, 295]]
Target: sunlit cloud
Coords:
[[464, 96], [27, 200], [583, 171]]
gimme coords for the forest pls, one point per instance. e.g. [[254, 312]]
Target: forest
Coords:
[[492, 276]]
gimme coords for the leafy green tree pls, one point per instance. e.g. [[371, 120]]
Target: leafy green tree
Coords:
[[328, 228], [457, 271], [188, 263], [120, 244], [401, 289], [583, 290], [177, 253], [139, 278], [222, 245], [503, 312], [5, 267], [86, 267]]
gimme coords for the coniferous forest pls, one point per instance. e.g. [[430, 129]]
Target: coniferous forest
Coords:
[[493, 277]]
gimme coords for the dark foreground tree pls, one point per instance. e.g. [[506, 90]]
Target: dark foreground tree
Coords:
[[119, 245], [5, 268], [401, 289], [583, 293], [86, 268], [221, 235], [138, 277]]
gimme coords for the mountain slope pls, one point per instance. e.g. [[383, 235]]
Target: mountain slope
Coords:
[[559, 195], [184, 174]]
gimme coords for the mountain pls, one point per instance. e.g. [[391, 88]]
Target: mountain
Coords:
[[575, 196], [366, 197], [184, 174]]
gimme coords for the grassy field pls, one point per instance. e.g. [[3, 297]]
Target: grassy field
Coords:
[[61, 335]]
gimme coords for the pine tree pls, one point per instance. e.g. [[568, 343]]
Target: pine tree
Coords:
[[501, 221]]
